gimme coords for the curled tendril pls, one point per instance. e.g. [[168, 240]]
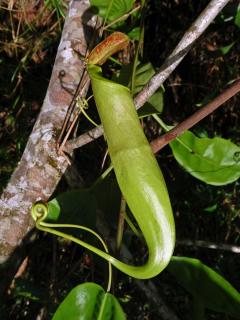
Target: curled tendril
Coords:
[[39, 211], [83, 104]]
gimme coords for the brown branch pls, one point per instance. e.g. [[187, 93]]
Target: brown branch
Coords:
[[162, 141], [40, 167]]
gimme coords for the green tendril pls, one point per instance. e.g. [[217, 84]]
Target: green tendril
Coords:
[[39, 212], [83, 104]]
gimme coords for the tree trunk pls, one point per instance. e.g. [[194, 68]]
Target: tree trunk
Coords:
[[41, 168]]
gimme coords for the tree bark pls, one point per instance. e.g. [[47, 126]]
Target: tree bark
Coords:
[[40, 167]]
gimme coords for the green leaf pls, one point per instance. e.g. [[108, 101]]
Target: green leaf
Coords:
[[224, 50], [144, 73], [237, 17], [153, 105], [89, 301], [57, 5], [207, 286], [117, 8], [212, 208], [134, 34], [54, 210], [75, 207], [27, 289], [108, 197], [215, 161]]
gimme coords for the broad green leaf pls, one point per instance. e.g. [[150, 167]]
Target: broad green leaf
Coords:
[[108, 197], [54, 210], [75, 207], [207, 286], [113, 9], [79, 206], [89, 301], [144, 73], [153, 105], [215, 161]]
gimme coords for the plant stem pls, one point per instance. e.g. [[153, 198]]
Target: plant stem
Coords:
[[121, 223], [139, 45]]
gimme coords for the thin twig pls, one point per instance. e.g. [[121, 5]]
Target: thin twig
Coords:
[[123, 17], [162, 141], [79, 92], [209, 245], [71, 108], [185, 44], [83, 139], [68, 131], [121, 220]]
